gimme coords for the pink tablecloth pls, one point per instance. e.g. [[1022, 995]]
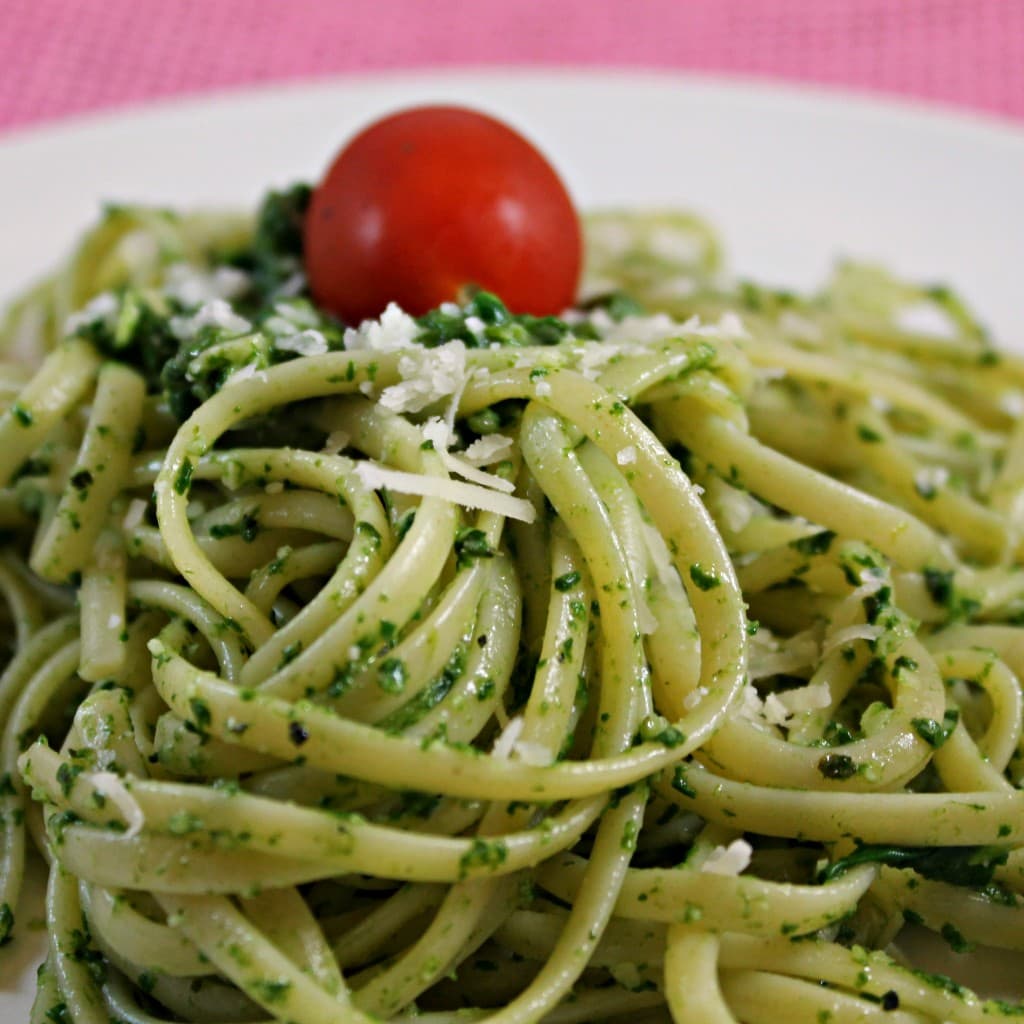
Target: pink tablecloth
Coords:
[[59, 57]]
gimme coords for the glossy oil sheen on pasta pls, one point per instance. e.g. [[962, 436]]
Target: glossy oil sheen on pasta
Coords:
[[656, 663]]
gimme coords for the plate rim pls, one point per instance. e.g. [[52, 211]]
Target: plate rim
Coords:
[[767, 89]]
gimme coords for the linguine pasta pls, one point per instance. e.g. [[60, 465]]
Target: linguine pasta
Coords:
[[656, 663]]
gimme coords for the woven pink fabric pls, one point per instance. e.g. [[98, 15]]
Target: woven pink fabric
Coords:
[[59, 57]]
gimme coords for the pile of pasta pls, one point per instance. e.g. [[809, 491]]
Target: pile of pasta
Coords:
[[657, 662]]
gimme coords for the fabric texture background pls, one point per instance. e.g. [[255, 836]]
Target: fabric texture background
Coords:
[[62, 57]]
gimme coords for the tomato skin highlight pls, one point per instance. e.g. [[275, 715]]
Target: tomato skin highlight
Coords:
[[428, 201]]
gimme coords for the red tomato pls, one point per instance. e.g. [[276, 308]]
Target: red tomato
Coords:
[[430, 200]]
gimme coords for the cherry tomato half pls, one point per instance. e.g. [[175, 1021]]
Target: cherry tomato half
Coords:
[[430, 200]]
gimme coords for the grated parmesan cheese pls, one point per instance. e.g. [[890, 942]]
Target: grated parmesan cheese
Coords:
[[337, 440], [192, 286], [775, 712], [244, 373], [300, 314], [735, 507], [929, 479], [751, 706], [101, 309], [814, 697], [626, 456], [475, 326], [729, 328], [769, 658], [437, 432], [505, 743], [532, 753], [728, 860], [306, 343], [477, 476], [485, 451], [925, 318], [594, 356], [427, 376], [455, 491], [215, 313], [858, 631], [394, 330]]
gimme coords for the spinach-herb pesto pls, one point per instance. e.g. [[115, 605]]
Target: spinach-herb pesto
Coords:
[[670, 638]]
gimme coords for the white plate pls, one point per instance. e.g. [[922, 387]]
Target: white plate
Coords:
[[793, 179]]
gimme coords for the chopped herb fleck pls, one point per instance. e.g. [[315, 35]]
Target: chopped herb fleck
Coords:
[[837, 766], [703, 578]]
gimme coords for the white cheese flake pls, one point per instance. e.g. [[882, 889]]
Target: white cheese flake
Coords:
[[728, 860], [929, 479], [926, 318], [192, 286], [475, 326], [775, 712], [428, 375], [306, 343], [626, 456], [815, 697], [846, 635], [248, 372], [477, 476], [594, 356], [735, 507], [299, 313], [438, 433], [468, 495], [751, 706], [394, 330], [506, 741], [768, 657], [337, 441], [215, 313], [485, 451], [100, 309], [532, 753]]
